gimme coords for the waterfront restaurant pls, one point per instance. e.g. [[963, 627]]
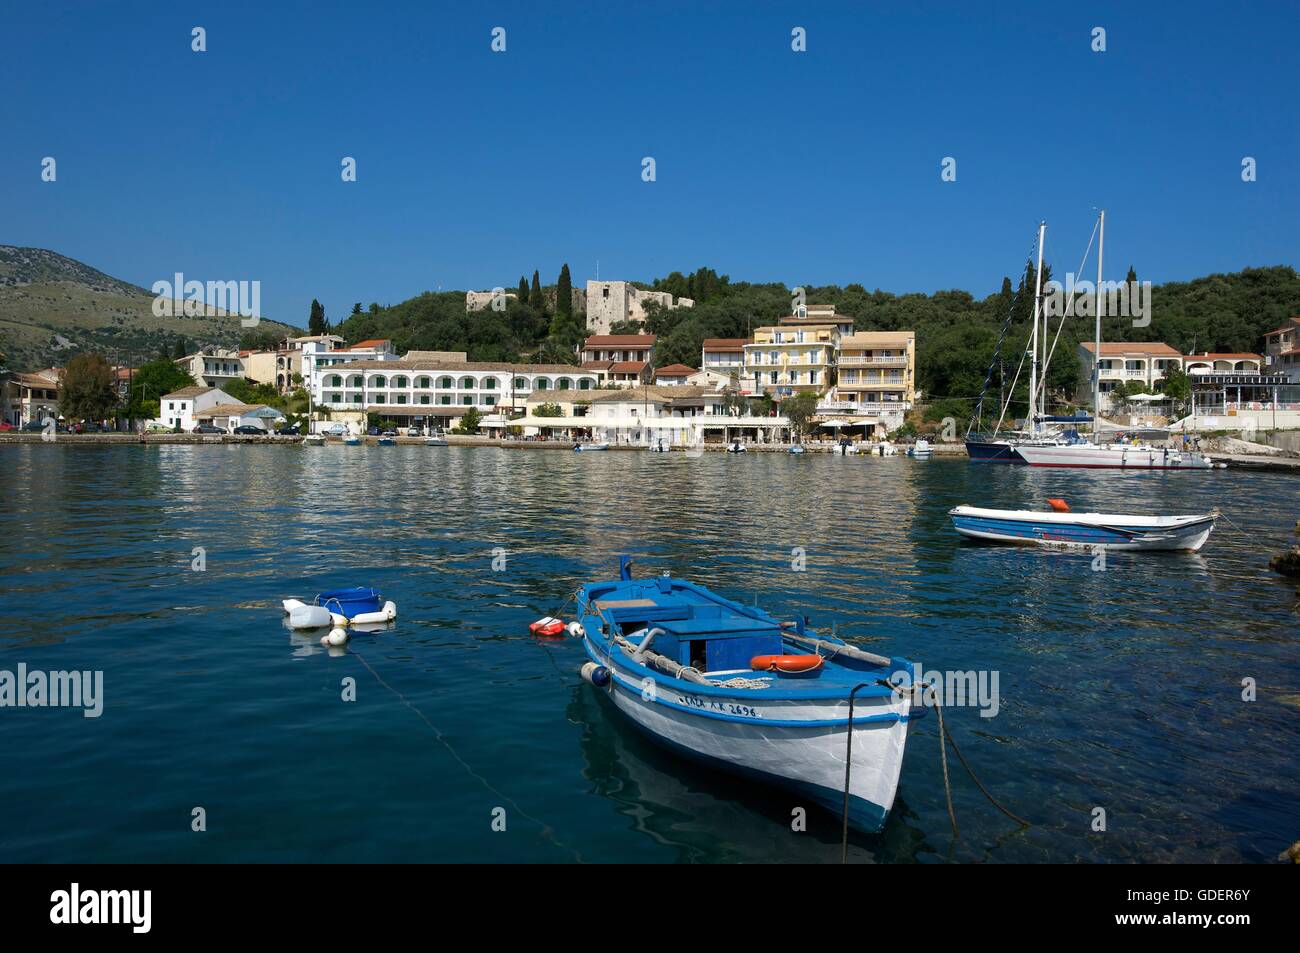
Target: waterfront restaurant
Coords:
[[424, 393]]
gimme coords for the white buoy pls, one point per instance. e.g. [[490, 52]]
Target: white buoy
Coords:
[[576, 630], [335, 637], [303, 616]]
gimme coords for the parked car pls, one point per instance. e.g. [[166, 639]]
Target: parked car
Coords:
[[207, 428], [336, 430], [34, 425], [288, 431], [248, 430], [5, 425], [389, 433], [372, 431]]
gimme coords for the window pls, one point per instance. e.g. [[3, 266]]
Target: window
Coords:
[[356, 398], [401, 381], [521, 383], [401, 398], [444, 398], [542, 383], [605, 293], [489, 383], [354, 380], [378, 380], [467, 399], [490, 400], [564, 383], [336, 381], [422, 383], [467, 383], [446, 383], [334, 399], [424, 398], [584, 384]]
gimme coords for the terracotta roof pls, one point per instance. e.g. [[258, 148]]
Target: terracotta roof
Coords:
[[1285, 328], [35, 380], [1225, 356], [725, 344], [675, 370], [657, 392], [369, 342], [552, 396], [627, 367], [620, 340], [1156, 348], [229, 410], [184, 392]]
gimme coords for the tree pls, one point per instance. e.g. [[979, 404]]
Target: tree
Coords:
[[87, 392], [179, 350], [316, 322], [150, 382], [469, 421], [523, 290], [549, 409], [564, 292], [356, 308], [799, 410], [535, 299]]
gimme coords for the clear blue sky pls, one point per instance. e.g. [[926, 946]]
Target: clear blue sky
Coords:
[[475, 167]]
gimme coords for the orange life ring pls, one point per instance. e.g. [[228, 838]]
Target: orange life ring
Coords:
[[786, 663]]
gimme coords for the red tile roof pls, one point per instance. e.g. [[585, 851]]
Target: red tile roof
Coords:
[[1156, 348], [725, 344], [620, 340], [370, 342], [627, 367], [674, 370]]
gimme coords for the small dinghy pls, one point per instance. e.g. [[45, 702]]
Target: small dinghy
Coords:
[[921, 450], [435, 441], [314, 440], [734, 687], [358, 606], [736, 447], [1062, 528], [386, 442], [589, 447], [797, 449], [352, 441]]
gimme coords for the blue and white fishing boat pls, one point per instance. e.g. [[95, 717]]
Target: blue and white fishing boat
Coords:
[[732, 686], [1083, 530], [589, 447], [797, 449]]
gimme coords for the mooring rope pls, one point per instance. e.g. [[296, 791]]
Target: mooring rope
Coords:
[[546, 831]]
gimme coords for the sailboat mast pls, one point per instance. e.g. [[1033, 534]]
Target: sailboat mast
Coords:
[[1096, 365], [1033, 368]]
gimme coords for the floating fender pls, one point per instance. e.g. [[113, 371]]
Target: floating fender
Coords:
[[548, 626], [792, 664], [334, 637], [1058, 505], [594, 674], [576, 630], [387, 614], [303, 616]]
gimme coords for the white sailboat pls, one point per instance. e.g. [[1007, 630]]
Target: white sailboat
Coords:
[[1112, 456]]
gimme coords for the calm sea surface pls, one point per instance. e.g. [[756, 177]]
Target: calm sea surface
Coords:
[[1120, 689]]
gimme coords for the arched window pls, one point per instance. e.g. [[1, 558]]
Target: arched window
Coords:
[[378, 380], [564, 383], [422, 383], [489, 383], [354, 380], [521, 383], [446, 383], [467, 383], [584, 384], [541, 383], [336, 380], [401, 381]]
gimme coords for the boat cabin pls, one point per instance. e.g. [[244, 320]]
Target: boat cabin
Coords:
[[692, 630]]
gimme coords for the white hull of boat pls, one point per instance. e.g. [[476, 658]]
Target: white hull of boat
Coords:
[[1084, 530], [810, 759], [1113, 457]]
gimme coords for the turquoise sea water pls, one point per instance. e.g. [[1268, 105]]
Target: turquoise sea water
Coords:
[[1119, 689]]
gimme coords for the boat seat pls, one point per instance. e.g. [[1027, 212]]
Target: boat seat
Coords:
[[644, 610]]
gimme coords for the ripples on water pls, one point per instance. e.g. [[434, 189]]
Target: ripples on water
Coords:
[[1119, 689]]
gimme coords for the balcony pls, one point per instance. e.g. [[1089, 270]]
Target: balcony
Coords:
[[852, 360], [870, 407]]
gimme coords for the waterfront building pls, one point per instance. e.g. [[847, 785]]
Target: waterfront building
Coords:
[[437, 393], [816, 314], [320, 355], [230, 416], [674, 374], [611, 302], [29, 398], [1282, 350], [724, 355], [482, 300], [183, 408], [784, 360], [619, 360], [212, 366], [875, 378]]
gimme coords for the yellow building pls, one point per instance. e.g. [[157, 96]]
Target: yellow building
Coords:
[[785, 360], [877, 372]]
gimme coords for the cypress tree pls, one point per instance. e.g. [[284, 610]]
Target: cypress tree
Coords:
[[564, 292], [535, 299], [523, 290], [316, 322]]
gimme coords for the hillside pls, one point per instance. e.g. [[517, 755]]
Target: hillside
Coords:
[[53, 307]]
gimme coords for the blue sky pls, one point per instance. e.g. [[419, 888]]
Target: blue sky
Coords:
[[475, 167]]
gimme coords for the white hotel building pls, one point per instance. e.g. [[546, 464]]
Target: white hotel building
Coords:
[[436, 393]]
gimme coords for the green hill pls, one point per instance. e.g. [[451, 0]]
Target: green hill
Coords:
[[53, 307]]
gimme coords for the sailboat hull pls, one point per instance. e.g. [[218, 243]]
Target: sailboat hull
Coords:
[[1118, 457], [1083, 530], [993, 451]]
